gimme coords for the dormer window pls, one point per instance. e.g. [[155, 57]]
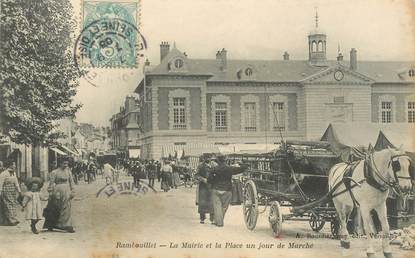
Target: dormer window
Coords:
[[411, 73], [248, 71], [178, 63]]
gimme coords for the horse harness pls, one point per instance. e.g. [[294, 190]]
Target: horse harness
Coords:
[[347, 180], [369, 176], [370, 172]]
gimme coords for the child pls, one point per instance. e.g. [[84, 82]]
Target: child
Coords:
[[32, 202]]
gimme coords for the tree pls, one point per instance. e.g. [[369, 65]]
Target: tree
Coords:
[[38, 76]]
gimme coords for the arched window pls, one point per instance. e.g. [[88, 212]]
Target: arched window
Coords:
[[411, 73], [313, 46], [320, 46]]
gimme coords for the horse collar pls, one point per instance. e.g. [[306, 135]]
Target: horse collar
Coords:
[[370, 178]]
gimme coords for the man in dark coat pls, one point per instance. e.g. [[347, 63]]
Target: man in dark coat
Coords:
[[203, 200], [158, 170], [135, 170], [91, 169], [151, 170], [220, 178]]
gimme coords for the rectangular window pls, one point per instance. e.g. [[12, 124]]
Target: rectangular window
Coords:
[[250, 116], [386, 112], [179, 113], [411, 112], [278, 110], [221, 123]]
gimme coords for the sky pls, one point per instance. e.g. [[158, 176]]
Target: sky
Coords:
[[381, 30]]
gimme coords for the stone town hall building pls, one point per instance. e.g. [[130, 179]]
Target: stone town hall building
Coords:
[[195, 102]]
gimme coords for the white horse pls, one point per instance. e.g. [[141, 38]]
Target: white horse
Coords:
[[367, 187]]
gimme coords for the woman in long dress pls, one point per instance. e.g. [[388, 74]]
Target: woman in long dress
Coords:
[[175, 176], [61, 189], [9, 191], [166, 176]]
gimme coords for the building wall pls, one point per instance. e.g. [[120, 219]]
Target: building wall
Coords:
[[163, 107], [133, 136], [319, 103], [146, 116], [311, 107], [195, 107], [264, 111], [161, 87], [399, 93]]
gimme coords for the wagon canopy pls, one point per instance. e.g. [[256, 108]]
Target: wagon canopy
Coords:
[[351, 140]]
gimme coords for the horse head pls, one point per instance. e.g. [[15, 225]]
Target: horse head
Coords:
[[400, 169]]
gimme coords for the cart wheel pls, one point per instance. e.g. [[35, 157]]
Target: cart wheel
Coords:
[[275, 218], [316, 222], [250, 205], [334, 227]]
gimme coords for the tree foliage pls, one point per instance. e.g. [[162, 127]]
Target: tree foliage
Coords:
[[38, 76]]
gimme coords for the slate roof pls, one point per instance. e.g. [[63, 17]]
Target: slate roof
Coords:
[[281, 70]]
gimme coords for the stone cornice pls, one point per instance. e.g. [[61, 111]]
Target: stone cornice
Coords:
[[336, 83], [252, 83], [181, 76], [405, 83]]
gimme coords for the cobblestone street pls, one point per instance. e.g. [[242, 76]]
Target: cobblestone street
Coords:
[[132, 226]]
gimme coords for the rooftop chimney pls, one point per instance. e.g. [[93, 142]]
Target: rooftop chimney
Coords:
[[164, 49], [286, 56], [218, 55], [353, 59], [340, 57], [221, 57]]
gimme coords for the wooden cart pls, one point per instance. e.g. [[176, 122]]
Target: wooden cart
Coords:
[[295, 175]]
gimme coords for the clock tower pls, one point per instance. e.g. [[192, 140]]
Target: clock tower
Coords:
[[317, 46]]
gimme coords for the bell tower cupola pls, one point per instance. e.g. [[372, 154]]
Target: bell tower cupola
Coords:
[[317, 45]]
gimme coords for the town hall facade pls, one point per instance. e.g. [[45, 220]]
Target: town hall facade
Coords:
[[197, 103]]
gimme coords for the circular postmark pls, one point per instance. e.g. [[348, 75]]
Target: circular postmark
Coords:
[[126, 187], [109, 43]]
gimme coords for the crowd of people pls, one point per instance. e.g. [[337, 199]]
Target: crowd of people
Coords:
[[168, 173], [86, 170], [213, 195]]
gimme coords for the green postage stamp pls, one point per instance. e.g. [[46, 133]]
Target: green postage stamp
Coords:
[[110, 36]]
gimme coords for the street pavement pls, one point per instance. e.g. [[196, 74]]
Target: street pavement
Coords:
[[166, 225]]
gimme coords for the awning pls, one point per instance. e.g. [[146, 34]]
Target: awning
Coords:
[[57, 151], [134, 153], [69, 150]]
